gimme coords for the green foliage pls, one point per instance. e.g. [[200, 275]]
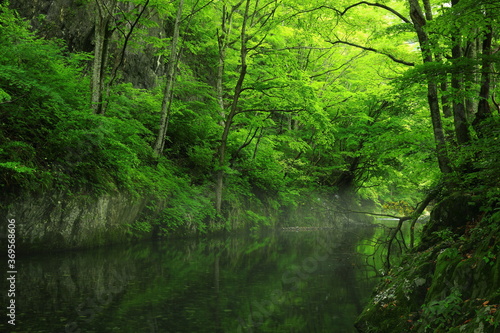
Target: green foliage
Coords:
[[447, 235], [491, 256], [258, 221], [313, 115], [40, 88], [140, 227], [189, 210], [442, 313]]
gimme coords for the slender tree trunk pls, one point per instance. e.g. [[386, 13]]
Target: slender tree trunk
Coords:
[[472, 78], [442, 152], [419, 22], [459, 117], [169, 85], [96, 82], [227, 127], [223, 40], [220, 88], [219, 184], [222, 43], [483, 108], [444, 99], [102, 33]]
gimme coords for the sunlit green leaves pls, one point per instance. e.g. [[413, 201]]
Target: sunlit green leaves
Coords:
[[310, 111]]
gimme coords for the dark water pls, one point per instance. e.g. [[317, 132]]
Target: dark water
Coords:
[[307, 281]]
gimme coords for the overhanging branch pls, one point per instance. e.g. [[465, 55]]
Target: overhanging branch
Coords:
[[343, 12], [403, 18], [371, 49], [269, 110]]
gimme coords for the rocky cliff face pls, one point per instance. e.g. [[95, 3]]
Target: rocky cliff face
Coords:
[[69, 20], [73, 21], [59, 221]]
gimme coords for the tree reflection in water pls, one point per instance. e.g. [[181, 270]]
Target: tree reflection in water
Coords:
[[307, 281]]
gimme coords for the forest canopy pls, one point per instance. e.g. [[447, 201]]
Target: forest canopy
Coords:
[[243, 104]]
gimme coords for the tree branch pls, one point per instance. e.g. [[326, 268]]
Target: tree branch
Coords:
[[272, 110], [196, 10], [247, 141], [393, 58], [382, 215], [126, 41], [403, 18], [342, 13]]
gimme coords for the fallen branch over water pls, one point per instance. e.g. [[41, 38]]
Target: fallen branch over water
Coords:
[[306, 228]]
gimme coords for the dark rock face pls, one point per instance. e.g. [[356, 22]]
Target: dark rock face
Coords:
[[58, 221], [73, 21], [69, 20]]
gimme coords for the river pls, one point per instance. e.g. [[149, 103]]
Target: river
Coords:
[[283, 281]]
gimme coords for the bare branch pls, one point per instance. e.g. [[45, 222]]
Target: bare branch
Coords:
[[347, 63], [266, 50], [127, 39], [247, 141], [404, 218], [261, 89], [196, 10]]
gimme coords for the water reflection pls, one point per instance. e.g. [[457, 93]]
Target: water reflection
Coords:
[[309, 281]]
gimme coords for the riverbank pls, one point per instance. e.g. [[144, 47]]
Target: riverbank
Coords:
[[450, 283], [64, 220]]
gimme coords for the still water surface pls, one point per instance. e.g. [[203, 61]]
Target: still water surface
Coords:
[[306, 281]]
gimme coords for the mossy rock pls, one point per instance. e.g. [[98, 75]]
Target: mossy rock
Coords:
[[442, 289], [454, 213], [464, 294], [398, 298], [458, 278]]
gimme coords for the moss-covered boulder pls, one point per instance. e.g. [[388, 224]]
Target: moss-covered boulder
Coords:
[[453, 286], [398, 297], [455, 213]]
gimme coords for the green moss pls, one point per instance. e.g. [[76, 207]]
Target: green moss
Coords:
[[452, 286], [397, 300]]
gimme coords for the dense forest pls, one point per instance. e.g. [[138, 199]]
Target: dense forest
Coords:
[[219, 110], [121, 118]]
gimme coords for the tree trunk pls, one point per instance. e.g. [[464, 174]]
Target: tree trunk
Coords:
[[219, 184], [444, 99], [102, 33], [471, 77], [419, 22], [483, 108], [442, 152], [223, 41], [169, 85], [459, 115]]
